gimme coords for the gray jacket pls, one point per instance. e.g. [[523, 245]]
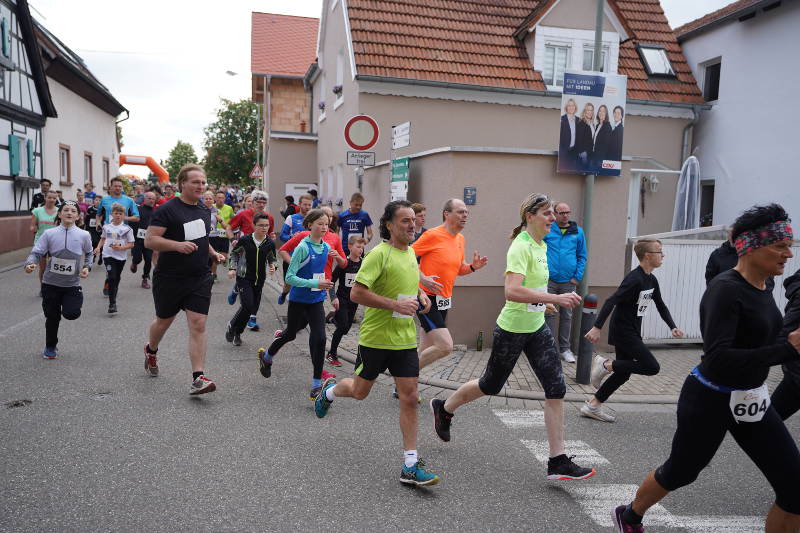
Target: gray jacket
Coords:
[[70, 250]]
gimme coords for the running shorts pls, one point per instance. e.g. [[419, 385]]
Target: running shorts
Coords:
[[172, 294], [373, 361]]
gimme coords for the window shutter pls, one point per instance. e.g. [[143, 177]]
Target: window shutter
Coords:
[[31, 159], [13, 154]]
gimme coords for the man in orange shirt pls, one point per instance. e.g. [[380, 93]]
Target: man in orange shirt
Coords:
[[441, 253]]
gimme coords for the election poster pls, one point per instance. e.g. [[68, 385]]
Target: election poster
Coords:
[[592, 123]]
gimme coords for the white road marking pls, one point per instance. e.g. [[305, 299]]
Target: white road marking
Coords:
[[19, 325], [728, 524], [584, 454], [520, 418]]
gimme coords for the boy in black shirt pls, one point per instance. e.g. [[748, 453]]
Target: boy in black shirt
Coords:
[[630, 303], [346, 310]]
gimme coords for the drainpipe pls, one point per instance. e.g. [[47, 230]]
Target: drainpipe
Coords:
[[686, 148]]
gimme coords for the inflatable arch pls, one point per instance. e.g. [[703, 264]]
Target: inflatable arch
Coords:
[[147, 161]]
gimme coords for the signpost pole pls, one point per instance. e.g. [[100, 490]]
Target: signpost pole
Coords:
[[584, 360]]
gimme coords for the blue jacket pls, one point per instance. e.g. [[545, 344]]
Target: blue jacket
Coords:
[[566, 254], [292, 225]]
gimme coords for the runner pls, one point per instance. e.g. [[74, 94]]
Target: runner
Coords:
[[218, 238], [306, 274], [43, 218], [115, 195], [630, 303], [355, 221], [521, 327], [179, 232], [786, 397], [419, 220], [740, 324], [67, 246], [115, 241], [139, 249], [441, 255], [38, 199], [344, 306], [89, 193], [387, 284], [248, 264], [293, 224], [94, 229]]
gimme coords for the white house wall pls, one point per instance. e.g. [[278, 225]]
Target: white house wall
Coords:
[[745, 142]]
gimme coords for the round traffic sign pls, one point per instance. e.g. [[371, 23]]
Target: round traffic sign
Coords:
[[361, 132]]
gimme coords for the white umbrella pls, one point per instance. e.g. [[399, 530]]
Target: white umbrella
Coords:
[[687, 197]]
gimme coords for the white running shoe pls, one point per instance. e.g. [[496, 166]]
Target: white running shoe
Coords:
[[567, 356], [597, 413], [598, 371]]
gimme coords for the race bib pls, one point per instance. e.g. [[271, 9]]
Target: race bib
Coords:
[[319, 276], [750, 405], [65, 267], [196, 229], [216, 233], [92, 222], [645, 297], [442, 303], [115, 243], [538, 308], [140, 234], [400, 298], [349, 279]]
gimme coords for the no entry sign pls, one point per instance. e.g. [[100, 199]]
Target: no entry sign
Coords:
[[361, 132]]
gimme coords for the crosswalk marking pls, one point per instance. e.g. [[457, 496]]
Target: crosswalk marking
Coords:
[[728, 524], [584, 454], [520, 418]]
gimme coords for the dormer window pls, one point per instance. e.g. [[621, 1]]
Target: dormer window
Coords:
[[588, 58], [655, 60], [556, 61]]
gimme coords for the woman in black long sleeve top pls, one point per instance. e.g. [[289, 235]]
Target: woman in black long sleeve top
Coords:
[[740, 323]]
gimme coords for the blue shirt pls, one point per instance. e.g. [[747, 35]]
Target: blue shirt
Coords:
[[305, 270], [105, 207], [89, 195], [353, 223], [293, 224]]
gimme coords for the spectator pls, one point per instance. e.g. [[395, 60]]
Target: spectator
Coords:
[[314, 198]]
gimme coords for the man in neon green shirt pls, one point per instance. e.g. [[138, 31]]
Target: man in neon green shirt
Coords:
[[388, 285]]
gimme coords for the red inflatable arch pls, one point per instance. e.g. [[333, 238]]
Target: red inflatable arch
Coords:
[[147, 161]]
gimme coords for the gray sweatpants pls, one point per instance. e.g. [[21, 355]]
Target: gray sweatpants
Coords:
[[564, 313]]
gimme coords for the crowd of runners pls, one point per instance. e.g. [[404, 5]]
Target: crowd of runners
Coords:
[[410, 273]]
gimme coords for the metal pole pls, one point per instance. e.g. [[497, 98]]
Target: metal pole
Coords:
[[582, 375]]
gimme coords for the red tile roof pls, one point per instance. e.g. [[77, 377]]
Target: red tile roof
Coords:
[[714, 16], [472, 42], [282, 45]]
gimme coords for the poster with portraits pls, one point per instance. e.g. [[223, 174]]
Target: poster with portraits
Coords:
[[592, 123]]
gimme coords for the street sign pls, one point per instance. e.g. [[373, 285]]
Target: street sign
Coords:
[[361, 159], [401, 135], [256, 173], [399, 190], [361, 132], [470, 195]]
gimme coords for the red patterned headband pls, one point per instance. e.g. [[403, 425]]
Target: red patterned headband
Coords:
[[751, 240]]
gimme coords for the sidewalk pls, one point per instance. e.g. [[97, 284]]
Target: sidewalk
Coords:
[[464, 365]]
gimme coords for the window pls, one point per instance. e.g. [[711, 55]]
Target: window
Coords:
[[555, 63], [711, 82], [588, 59], [87, 167], [106, 172], [338, 87], [655, 60], [64, 170]]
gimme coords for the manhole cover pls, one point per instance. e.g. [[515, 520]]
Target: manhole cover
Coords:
[[18, 403], [102, 395]]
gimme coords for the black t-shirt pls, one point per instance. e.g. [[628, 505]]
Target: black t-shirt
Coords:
[[180, 218], [345, 281], [630, 302], [740, 325]]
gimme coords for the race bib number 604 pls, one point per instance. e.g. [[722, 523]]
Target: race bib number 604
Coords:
[[750, 405]]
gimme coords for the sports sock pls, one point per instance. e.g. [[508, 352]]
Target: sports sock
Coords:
[[150, 350], [316, 382], [329, 395], [196, 375], [630, 516], [410, 458]]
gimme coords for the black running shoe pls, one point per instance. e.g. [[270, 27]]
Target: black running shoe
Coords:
[[441, 419], [112, 308], [264, 362], [229, 333], [237, 340], [562, 467]]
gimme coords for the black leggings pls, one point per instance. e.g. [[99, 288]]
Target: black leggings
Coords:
[[58, 302], [633, 357], [138, 252], [704, 418], [113, 275], [299, 316], [249, 298], [344, 320], [786, 398]]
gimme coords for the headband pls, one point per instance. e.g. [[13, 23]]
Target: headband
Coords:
[[73, 203], [748, 241]]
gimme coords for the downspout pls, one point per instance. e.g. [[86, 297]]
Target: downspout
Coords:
[[267, 130], [687, 131]]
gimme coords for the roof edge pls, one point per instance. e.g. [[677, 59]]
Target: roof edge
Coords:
[[688, 34]]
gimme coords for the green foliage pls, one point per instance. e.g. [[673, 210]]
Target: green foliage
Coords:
[[181, 154], [232, 142], [119, 137]]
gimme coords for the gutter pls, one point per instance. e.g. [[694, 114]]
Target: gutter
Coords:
[[685, 147], [751, 9]]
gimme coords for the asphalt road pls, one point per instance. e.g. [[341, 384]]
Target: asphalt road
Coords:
[[91, 443]]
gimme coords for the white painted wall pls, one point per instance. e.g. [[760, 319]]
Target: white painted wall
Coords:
[[747, 142], [84, 127]]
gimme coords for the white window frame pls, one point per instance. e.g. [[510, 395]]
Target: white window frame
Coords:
[[556, 46], [710, 63], [576, 40], [339, 79], [322, 95], [590, 48], [640, 47]]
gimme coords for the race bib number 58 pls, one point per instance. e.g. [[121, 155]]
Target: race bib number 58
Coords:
[[750, 405]]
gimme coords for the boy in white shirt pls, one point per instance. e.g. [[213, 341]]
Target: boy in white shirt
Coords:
[[115, 241]]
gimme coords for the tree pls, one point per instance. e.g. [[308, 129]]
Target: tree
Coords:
[[232, 142], [120, 144], [181, 154]]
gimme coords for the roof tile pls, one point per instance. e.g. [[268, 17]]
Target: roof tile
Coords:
[[282, 45]]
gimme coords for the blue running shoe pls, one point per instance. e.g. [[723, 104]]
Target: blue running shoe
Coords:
[[264, 362], [281, 299], [417, 475], [322, 403], [50, 353], [252, 324], [232, 297]]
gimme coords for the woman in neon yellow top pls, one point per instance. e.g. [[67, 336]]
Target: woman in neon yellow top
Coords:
[[521, 327]]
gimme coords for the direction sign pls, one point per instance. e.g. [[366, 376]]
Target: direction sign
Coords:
[[361, 159], [401, 135], [361, 132], [399, 188], [256, 173]]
